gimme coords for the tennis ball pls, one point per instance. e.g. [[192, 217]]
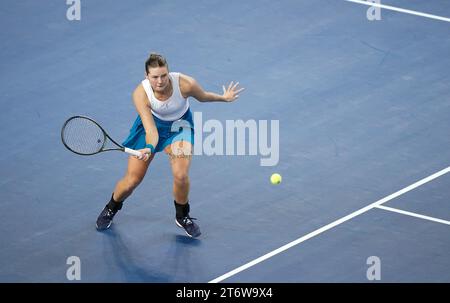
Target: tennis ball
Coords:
[[275, 179]]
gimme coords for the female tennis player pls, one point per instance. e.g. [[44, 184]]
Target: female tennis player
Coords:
[[164, 124]]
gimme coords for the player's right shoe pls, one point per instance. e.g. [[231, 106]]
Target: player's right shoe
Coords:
[[105, 218]]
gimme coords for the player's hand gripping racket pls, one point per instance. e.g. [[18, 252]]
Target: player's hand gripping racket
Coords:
[[84, 136]]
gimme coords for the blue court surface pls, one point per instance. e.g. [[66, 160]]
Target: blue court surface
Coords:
[[361, 98]]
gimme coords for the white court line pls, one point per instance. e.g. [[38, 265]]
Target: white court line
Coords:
[[331, 225], [404, 212], [401, 10]]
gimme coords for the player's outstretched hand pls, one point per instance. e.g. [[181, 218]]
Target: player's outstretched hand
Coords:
[[232, 92]]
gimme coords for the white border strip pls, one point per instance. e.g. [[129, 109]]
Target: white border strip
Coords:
[[404, 212], [331, 225], [401, 10]]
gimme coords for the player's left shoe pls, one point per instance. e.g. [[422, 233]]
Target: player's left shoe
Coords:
[[190, 227]]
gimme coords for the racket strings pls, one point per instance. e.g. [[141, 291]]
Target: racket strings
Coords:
[[83, 136]]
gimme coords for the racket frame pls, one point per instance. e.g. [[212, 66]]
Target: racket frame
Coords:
[[102, 149]]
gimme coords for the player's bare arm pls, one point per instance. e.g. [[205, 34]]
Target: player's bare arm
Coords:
[[191, 88], [143, 108]]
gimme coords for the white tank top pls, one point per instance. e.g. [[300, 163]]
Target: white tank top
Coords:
[[173, 108]]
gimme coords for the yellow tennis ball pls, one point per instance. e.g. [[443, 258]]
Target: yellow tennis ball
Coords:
[[275, 179]]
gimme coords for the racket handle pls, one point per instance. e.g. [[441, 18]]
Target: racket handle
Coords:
[[132, 152]]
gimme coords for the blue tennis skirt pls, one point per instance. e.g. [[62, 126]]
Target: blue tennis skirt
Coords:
[[168, 131]]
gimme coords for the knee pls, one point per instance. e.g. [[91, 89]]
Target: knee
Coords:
[[181, 178], [132, 181]]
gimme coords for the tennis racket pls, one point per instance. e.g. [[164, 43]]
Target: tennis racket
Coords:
[[83, 136]]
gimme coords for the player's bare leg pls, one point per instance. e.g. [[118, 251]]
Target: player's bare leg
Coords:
[[135, 174], [180, 155]]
